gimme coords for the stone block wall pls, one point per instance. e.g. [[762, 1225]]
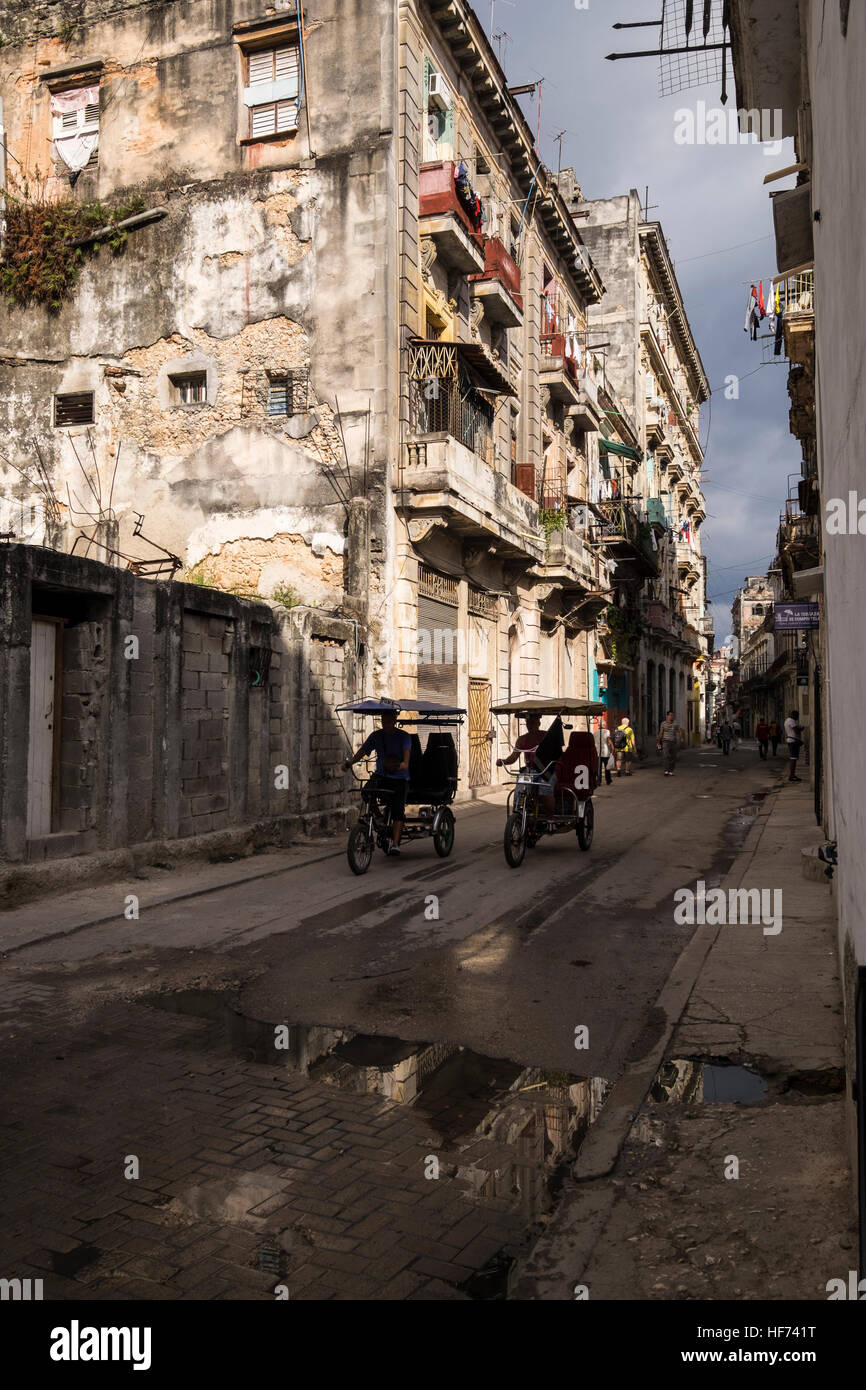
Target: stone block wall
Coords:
[[328, 746], [185, 711], [83, 691], [207, 648]]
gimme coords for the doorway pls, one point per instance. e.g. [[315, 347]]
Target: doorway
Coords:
[[43, 749]]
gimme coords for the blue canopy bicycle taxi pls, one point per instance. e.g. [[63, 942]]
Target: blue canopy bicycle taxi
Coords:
[[406, 793]]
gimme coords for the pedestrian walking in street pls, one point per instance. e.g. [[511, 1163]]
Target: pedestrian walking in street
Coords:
[[726, 733], [762, 734], [775, 736], [624, 747], [669, 740], [737, 731], [605, 752], [794, 740]]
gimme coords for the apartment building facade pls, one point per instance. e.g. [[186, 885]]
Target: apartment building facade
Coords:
[[324, 340], [642, 332]]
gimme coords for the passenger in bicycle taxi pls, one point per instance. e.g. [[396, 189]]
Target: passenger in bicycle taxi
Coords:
[[526, 746], [392, 747]]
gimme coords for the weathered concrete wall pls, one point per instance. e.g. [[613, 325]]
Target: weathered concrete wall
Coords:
[[185, 711], [837, 79], [275, 257]]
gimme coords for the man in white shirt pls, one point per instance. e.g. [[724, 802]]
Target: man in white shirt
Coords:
[[793, 735]]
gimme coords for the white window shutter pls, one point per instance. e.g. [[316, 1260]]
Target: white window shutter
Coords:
[[287, 115], [287, 64], [261, 67], [274, 90], [263, 120]]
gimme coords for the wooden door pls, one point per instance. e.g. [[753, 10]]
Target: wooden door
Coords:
[[44, 727], [480, 733]]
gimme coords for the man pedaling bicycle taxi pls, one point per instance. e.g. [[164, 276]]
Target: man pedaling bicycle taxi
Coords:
[[526, 746], [392, 747]]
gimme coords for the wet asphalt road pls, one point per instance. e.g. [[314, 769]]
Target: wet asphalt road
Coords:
[[515, 961], [518, 959]]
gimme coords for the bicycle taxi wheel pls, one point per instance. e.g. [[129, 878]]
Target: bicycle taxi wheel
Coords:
[[359, 850]]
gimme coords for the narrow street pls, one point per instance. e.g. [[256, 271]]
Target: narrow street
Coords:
[[253, 1045]]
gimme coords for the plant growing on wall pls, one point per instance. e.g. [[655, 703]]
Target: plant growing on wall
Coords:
[[551, 519], [626, 629], [285, 595], [40, 265]]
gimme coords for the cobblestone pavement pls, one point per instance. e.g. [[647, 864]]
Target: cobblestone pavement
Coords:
[[250, 1176]]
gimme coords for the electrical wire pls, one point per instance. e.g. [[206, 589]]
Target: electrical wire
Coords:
[[723, 251]]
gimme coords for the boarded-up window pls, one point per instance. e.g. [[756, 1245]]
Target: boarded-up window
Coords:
[[272, 93], [75, 408]]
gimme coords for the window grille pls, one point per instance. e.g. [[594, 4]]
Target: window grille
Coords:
[[438, 586], [74, 408], [482, 604], [190, 388], [289, 392]]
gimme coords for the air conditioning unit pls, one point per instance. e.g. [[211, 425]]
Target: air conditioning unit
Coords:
[[438, 95]]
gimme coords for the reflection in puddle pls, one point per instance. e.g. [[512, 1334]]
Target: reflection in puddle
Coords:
[[691, 1082], [503, 1130]]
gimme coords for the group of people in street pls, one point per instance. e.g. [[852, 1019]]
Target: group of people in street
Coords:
[[617, 751], [768, 736]]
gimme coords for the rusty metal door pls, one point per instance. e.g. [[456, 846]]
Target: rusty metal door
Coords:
[[480, 733]]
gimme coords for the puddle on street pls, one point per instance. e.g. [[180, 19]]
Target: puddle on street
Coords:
[[506, 1130], [691, 1082]]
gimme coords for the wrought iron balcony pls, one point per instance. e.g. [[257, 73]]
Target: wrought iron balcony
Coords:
[[497, 287], [558, 371], [446, 221], [628, 540]]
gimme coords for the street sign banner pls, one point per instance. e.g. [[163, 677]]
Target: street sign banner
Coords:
[[795, 617]]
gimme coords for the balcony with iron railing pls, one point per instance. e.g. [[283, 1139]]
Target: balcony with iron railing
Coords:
[[557, 369], [799, 538], [444, 218], [497, 287], [450, 476], [627, 537]]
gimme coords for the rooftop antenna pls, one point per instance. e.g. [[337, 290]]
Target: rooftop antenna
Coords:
[[648, 207], [557, 140], [493, 3], [497, 39]]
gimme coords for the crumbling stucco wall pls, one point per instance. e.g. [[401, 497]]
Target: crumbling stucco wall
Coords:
[[275, 256]]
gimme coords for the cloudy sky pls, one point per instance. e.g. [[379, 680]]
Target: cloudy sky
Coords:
[[717, 219]]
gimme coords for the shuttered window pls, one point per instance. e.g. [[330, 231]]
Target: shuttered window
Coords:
[[84, 121], [272, 93], [76, 408]]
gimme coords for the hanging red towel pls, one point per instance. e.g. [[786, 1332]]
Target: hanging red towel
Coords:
[[761, 306]]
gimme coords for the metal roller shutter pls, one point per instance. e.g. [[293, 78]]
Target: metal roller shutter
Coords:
[[437, 651]]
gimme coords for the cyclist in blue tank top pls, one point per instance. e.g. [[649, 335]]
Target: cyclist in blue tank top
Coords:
[[392, 747]]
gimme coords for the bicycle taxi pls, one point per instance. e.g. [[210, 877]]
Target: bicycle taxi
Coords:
[[431, 784], [553, 789]]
